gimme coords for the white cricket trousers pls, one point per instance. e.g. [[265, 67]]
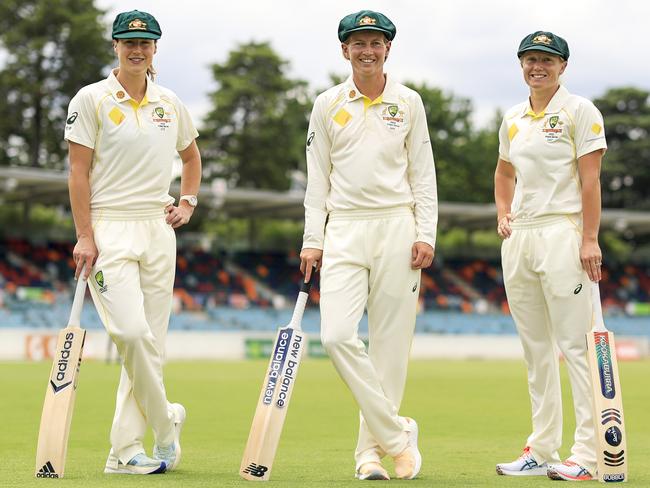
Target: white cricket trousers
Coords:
[[367, 262], [132, 285], [550, 301]]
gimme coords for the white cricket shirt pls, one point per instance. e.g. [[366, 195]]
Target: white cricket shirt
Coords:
[[364, 154], [544, 149], [134, 144]]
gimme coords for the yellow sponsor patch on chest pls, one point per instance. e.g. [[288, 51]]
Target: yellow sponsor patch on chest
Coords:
[[116, 116], [342, 117]]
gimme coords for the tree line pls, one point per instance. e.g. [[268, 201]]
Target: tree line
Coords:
[[254, 133]]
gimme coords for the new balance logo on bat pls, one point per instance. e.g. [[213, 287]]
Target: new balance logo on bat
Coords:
[[47, 471], [256, 470]]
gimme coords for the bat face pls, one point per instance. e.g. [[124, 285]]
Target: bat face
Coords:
[[272, 405], [608, 407], [59, 404]]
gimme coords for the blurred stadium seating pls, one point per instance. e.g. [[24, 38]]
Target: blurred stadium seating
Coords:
[[254, 291]]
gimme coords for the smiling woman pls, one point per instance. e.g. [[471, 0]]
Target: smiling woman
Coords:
[[123, 134], [370, 227], [547, 192]]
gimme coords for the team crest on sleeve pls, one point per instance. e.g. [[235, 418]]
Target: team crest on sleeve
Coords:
[[553, 128], [393, 116]]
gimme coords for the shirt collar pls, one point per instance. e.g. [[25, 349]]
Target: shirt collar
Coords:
[[390, 94], [554, 106], [120, 94]]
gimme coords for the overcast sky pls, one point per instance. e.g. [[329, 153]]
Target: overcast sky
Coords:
[[467, 47]]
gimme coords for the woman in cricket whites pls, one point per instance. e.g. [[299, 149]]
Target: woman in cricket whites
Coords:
[[123, 133], [547, 192]]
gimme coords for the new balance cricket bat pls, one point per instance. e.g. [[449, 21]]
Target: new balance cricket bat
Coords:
[[274, 398], [608, 403], [60, 393]]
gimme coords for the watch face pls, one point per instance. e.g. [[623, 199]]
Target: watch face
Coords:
[[192, 200]]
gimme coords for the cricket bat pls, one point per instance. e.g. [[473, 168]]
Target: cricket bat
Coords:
[[273, 402], [60, 393], [608, 404]]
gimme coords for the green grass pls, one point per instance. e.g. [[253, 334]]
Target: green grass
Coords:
[[472, 414]]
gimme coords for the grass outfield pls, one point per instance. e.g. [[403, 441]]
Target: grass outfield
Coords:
[[472, 414]]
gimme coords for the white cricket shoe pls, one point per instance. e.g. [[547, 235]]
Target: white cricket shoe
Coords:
[[139, 464], [524, 465], [409, 462], [568, 471], [372, 471], [171, 455]]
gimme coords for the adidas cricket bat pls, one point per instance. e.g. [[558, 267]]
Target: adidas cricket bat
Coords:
[[608, 404], [273, 402], [60, 393]]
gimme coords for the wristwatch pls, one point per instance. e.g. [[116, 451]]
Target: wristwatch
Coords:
[[191, 199]]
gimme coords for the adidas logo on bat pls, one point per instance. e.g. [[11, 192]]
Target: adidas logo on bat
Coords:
[[256, 470], [47, 471]]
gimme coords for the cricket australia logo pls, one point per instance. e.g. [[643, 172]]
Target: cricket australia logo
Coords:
[[553, 121], [160, 118], [257, 470], [393, 117], [99, 278]]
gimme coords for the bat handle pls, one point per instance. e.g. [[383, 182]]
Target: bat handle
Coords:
[[78, 300], [597, 321], [304, 287]]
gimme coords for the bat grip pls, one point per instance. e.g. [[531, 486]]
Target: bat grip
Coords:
[[597, 322], [304, 287], [78, 300]]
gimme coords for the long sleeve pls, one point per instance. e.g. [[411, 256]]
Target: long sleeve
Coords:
[[422, 175], [319, 166]]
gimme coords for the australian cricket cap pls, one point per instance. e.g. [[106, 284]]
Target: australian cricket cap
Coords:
[[136, 25], [366, 20], [544, 41]]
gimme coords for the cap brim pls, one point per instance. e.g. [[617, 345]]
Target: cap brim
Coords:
[[362, 28], [545, 49], [136, 35]]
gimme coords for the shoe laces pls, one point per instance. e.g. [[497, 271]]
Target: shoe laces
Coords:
[[142, 460], [526, 453], [166, 452]]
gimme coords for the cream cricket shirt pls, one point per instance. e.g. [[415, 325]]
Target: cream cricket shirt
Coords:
[[544, 149], [134, 144], [364, 154]]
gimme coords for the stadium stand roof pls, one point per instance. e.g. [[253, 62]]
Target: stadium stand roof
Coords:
[[33, 185]]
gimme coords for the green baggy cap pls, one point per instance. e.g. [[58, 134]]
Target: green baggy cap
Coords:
[[136, 25], [366, 20], [544, 41]]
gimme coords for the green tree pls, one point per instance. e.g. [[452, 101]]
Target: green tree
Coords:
[[465, 158], [50, 48], [625, 176], [255, 134]]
